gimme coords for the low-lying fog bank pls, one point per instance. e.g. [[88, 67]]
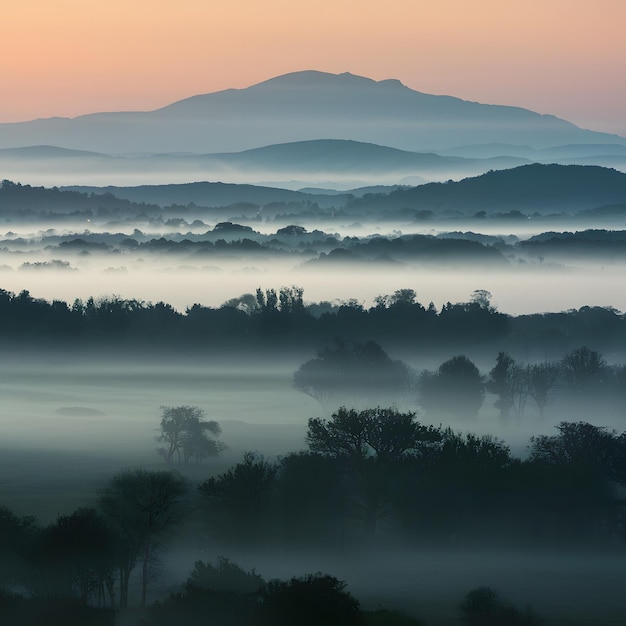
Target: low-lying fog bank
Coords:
[[515, 291], [577, 588]]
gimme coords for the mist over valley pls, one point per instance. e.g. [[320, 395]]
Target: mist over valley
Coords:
[[321, 324]]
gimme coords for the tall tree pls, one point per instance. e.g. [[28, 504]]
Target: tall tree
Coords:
[[584, 462], [507, 382], [541, 381], [143, 505], [583, 369], [239, 498], [16, 536], [370, 444], [76, 556]]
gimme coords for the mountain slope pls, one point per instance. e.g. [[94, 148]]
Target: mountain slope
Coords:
[[304, 106], [529, 188]]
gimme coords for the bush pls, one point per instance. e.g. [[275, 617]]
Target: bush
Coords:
[[482, 607]]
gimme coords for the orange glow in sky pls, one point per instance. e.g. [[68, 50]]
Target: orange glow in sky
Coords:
[[69, 57]]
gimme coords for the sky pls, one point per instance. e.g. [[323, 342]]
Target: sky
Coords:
[[70, 57]]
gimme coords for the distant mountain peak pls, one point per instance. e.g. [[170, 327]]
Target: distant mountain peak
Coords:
[[302, 106], [315, 79]]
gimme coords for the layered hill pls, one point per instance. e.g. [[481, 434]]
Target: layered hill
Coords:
[[590, 191], [529, 188], [337, 163]]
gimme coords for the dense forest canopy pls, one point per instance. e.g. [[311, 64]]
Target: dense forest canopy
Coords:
[[281, 319]]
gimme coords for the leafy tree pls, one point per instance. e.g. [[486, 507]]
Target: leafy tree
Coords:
[[279, 313], [361, 372], [482, 298], [456, 388], [483, 607], [458, 485], [541, 381], [507, 382], [594, 449], [183, 429], [401, 298], [240, 498], [401, 315], [581, 466], [371, 445], [583, 369], [76, 556], [312, 495], [143, 505], [469, 453], [16, 536], [247, 303], [387, 434]]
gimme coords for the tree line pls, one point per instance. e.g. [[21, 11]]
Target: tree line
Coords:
[[281, 319], [353, 373]]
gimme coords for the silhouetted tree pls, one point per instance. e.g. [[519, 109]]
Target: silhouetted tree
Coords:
[[483, 607], [458, 486], [240, 497], [456, 388], [224, 576], [76, 556], [183, 429], [582, 464], [312, 494], [361, 372], [541, 381], [401, 315], [370, 444], [16, 536], [308, 601], [595, 449], [143, 505], [507, 382], [583, 369], [246, 302], [386, 434], [482, 298]]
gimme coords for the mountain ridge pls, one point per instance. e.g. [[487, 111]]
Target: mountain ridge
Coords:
[[312, 162], [304, 106], [529, 188]]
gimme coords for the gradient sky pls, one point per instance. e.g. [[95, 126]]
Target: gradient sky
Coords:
[[68, 57]]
